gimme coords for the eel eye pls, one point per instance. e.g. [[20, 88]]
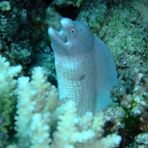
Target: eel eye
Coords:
[[72, 31]]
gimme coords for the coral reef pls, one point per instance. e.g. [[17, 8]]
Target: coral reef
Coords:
[[5, 6], [23, 32], [24, 40]]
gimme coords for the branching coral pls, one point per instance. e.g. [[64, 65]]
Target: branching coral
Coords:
[[77, 132], [7, 95], [68, 132], [38, 109], [34, 101]]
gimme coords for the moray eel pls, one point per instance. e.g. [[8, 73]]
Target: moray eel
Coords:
[[84, 65]]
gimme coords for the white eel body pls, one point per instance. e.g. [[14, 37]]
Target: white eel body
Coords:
[[84, 66]]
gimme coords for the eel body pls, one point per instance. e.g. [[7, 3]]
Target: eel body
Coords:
[[84, 65]]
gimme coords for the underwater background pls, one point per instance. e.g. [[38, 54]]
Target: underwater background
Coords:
[[31, 116]]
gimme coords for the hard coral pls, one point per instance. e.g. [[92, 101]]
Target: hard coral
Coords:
[[8, 82], [38, 109]]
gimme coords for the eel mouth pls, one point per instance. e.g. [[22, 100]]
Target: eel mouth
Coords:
[[60, 38]]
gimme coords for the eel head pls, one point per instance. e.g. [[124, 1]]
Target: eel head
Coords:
[[73, 37]]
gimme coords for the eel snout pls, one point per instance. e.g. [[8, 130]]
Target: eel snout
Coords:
[[62, 34]]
